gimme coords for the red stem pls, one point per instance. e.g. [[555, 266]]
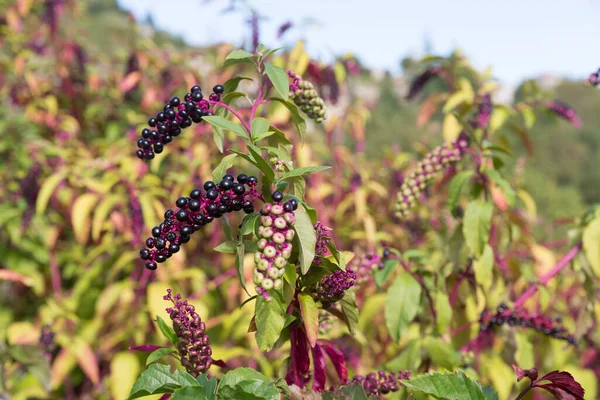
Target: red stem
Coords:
[[551, 274], [235, 114]]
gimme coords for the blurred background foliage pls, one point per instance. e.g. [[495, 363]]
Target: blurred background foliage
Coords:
[[77, 83]]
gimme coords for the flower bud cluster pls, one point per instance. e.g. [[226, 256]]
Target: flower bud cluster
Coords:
[[564, 111], [194, 345], [541, 323], [197, 210], [305, 96], [484, 111], [438, 159], [323, 240], [332, 287], [381, 383], [176, 115], [594, 78], [275, 234]]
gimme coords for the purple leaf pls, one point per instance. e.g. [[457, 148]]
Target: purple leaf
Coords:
[[523, 373], [165, 396], [320, 366], [563, 386], [148, 348], [336, 357], [219, 363]]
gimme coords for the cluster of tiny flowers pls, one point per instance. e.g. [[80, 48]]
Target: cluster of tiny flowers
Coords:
[[331, 288], [564, 111], [484, 111], [275, 234], [381, 383], [176, 115], [420, 81], [438, 159], [541, 323], [197, 210], [306, 97], [594, 78], [194, 345], [323, 240]]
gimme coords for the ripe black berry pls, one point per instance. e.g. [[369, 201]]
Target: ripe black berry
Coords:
[[242, 178], [170, 114], [287, 207], [252, 179], [222, 209], [386, 252], [151, 265], [195, 88], [174, 248], [226, 184], [199, 219], [197, 96], [277, 196], [160, 243], [174, 101], [181, 202], [184, 239], [150, 155], [195, 194], [209, 185], [161, 116], [169, 213], [158, 147], [212, 209], [238, 188], [152, 122], [194, 205], [218, 89], [171, 236], [150, 242], [144, 254], [186, 230], [182, 215], [139, 154], [294, 203], [161, 258], [212, 194], [228, 177], [156, 231]]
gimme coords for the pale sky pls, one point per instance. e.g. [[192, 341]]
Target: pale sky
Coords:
[[518, 38]]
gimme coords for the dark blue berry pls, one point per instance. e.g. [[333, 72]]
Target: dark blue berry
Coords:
[[218, 89], [144, 254], [156, 231], [174, 101], [238, 188], [242, 178], [151, 265], [181, 202], [160, 243], [174, 248], [228, 177], [212, 194], [150, 242], [182, 215], [195, 194], [186, 230], [252, 180], [226, 184], [277, 196], [209, 185], [194, 205], [161, 258], [195, 88]]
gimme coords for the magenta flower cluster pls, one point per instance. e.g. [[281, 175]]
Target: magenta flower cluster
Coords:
[[323, 239], [565, 112], [196, 211], [194, 345], [275, 234], [332, 287], [176, 115], [484, 111], [381, 383], [437, 160], [541, 323], [364, 266]]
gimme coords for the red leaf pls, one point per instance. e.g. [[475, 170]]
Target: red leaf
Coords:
[[148, 348], [522, 373], [337, 358], [219, 363], [563, 386], [320, 366]]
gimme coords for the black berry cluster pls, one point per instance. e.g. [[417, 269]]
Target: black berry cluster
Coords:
[[177, 114], [594, 78], [305, 96], [434, 162], [194, 345], [197, 210], [420, 81], [332, 287], [275, 234], [381, 383], [564, 111], [541, 323]]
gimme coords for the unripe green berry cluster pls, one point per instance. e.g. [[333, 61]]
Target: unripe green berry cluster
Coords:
[[434, 162], [275, 233], [305, 96]]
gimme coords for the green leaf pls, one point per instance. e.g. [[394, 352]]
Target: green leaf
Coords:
[[446, 386], [352, 391], [46, 190], [350, 311], [409, 358], [230, 247], [239, 264], [509, 192], [158, 379], [217, 120], [306, 239], [226, 227], [489, 393], [302, 171], [158, 354], [219, 138], [442, 354], [270, 319], [484, 268], [224, 165], [190, 393], [310, 316], [246, 384], [258, 127], [381, 275], [238, 55], [249, 224], [257, 138], [231, 84], [279, 78], [167, 331], [402, 303], [298, 120], [209, 385], [524, 356], [262, 164], [443, 312], [456, 186], [476, 225], [591, 245]]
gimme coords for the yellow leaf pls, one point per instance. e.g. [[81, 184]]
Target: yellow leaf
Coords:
[[46, 190], [545, 259], [62, 365], [586, 378], [499, 116], [502, 376], [80, 216], [124, 370], [22, 333], [451, 128], [86, 359], [529, 203], [591, 245], [101, 214], [156, 304]]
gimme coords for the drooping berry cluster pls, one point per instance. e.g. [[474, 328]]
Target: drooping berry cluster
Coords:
[[381, 382], [197, 210], [275, 234], [332, 287], [420, 81], [194, 345], [364, 266], [176, 115], [484, 111], [306, 97], [594, 78], [323, 240], [564, 111], [541, 323], [438, 159]]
